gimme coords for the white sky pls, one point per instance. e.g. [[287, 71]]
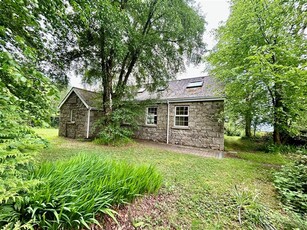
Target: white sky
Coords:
[[215, 11]]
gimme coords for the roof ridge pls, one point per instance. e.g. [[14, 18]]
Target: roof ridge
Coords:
[[191, 78], [91, 91]]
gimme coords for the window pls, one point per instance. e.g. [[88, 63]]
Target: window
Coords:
[[195, 84], [152, 117], [182, 116], [72, 115], [141, 90]]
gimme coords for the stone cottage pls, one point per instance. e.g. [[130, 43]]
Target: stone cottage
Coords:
[[186, 112]]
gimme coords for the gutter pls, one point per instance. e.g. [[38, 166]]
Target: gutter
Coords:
[[196, 99], [88, 123], [167, 126], [186, 99]]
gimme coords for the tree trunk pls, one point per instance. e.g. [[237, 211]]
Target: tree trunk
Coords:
[[107, 96], [278, 119], [248, 124], [276, 135], [255, 128]]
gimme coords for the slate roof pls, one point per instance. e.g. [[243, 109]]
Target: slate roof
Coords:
[[175, 90], [92, 100]]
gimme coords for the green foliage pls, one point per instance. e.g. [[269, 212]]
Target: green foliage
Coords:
[[119, 128], [204, 199], [291, 184], [246, 144], [251, 213], [18, 145], [286, 149], [260, 56], [25, 89], [232, 129], [75, 191], [17, 158], [117, 42]]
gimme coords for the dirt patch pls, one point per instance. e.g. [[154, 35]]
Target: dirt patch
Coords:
[[143, 213]]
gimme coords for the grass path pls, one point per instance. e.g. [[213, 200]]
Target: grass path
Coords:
[[197, 192]]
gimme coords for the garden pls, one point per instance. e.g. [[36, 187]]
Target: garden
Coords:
[[80, 184]]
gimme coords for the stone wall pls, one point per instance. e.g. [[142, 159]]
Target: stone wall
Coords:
[[154, 132], [76, 128], [204, 128], [96, 115]]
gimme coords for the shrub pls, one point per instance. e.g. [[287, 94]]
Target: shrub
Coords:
[[291, 184], [285, 149], [118, 128], [75, 191], [114, 135]]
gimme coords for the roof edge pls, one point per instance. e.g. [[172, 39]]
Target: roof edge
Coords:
[[69, 93], [189, 99]]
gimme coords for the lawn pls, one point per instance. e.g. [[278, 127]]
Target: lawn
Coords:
[[197, 192]]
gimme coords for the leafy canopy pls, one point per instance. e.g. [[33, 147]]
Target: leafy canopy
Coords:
[[112, 43], [260, 55]]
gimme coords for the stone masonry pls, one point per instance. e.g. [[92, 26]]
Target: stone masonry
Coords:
[[205, 129], [77, 127]]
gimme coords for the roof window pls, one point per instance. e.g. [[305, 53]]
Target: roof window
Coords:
[[195, 84], [159, 89], [141, 90]]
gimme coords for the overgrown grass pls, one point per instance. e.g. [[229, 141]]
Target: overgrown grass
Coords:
[[198, 193], [264, 158], [75, 191], [243, 144]]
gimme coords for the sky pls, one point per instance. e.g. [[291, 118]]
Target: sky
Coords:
[[215, 11]]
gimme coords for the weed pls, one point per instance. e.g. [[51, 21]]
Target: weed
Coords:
[[291, 184]]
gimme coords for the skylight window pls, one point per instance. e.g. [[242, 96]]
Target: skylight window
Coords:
[[195, 84], [160, 89], [141, 90]]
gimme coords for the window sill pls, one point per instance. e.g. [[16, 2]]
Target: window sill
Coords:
[[151, 126], [181, 127]]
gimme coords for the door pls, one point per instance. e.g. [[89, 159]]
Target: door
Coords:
[[71, 130]]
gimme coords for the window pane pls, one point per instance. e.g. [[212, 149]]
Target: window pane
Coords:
[[152, 111], [183, 110], [152, 117], [182, 121]]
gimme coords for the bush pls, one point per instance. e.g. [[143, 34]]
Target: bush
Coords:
[[114, 135], [75, 191], [230, 131], [118, 128], [285, 149], [291, 184]]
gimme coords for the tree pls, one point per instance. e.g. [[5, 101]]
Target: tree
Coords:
[[114, 42], [262, 48], [21, 49], [24, 99]]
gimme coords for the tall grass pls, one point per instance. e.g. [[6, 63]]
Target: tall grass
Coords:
[[75, 191]]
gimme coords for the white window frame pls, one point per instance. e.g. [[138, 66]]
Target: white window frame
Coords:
[[154, 115], [72, 118], [182, 126]]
